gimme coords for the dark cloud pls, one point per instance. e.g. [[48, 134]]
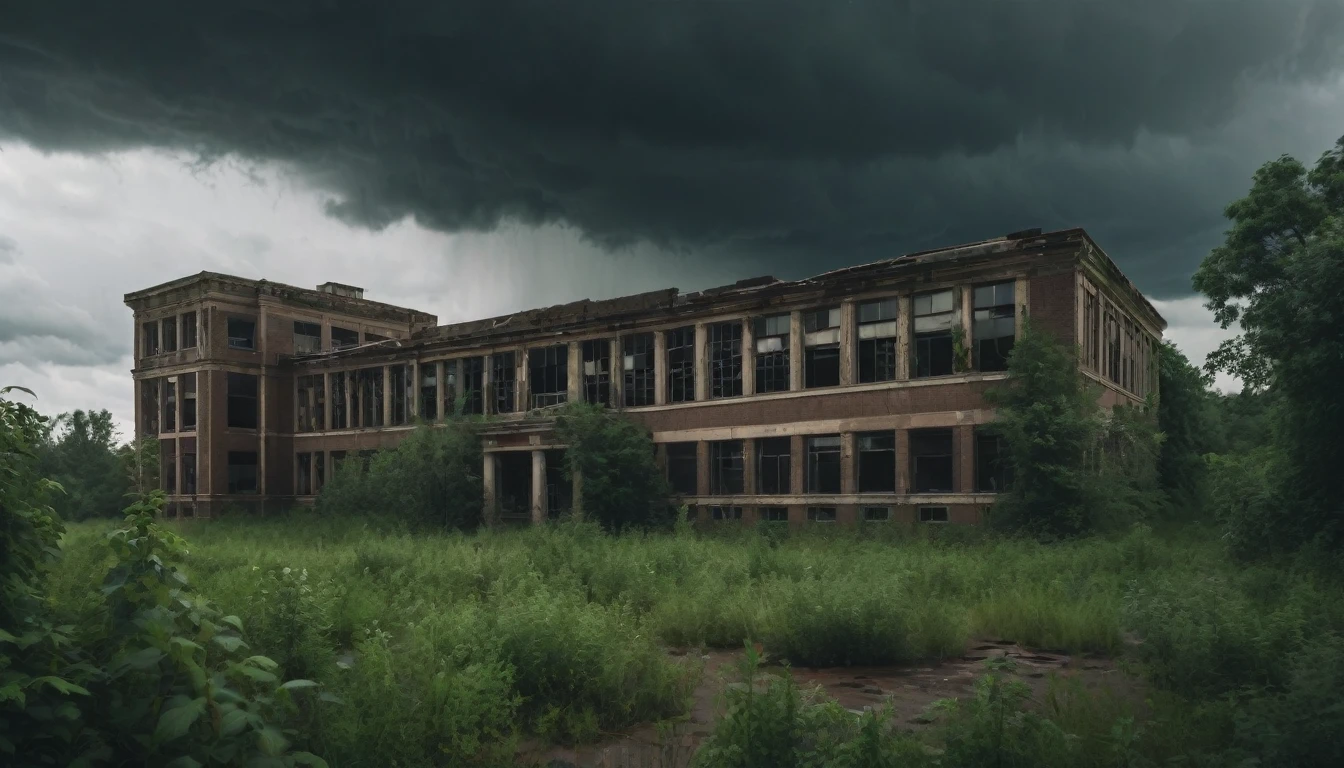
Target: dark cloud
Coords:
[[817, 132]]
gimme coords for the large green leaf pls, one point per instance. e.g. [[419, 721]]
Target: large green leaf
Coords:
[[270, 741], [174, 723]]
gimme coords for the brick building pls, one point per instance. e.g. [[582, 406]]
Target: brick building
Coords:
[[852, 395]]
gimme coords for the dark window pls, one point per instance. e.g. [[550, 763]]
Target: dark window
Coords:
[[683, 468], [303, 484], [931, 460], [149, 406], [453, 400], [877, 340], [311, 402], [597, 371], [725, 467], [821, 353], [242, 402], [772, 354], [337, 459], [367, 398], [169, 334], [640, 375], [876, 514], [189, 330], [725, 513], [933, 514], [429, 391], [188, 473], [821, 514], [773, 459], [992, 473], [338, 390], [307, 338], [242, 333], [681, 365], [149, 338], [725, 359], [242, 471], [188, 401], [343, 337], [399, 380], [504, 381], [823, 464], [993, 326], [775, 514], [548, 375], [933, 317], [169, 405], [877, 462], [319, 471], [473, 385], [168, 466]]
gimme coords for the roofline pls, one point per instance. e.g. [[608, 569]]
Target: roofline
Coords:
[[204, 275]]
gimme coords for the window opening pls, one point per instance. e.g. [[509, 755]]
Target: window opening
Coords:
[[683, 468], [429, 391], [343, 338], [640, 375], [399, 379], [821, 342], [242, 333], [877, 340], [310, 406], [188, 473], [994, 326], [775, 514], [504, 381], [725, 513], [821, 514], [242, 400], [169, 334], [933, 514], [242, 471], [168, 466], [772, 353], [992, 473], [823, 464], [367, 397], [549, 375], [338, 390], [933, 318], [773, 460], [597, 371], [725, 360], [189, 331], [931, 460], [304, 481], [876, 514], [681, 365], [188, 401], [307, 338], [473, 385], [877, 462], [149, 405], [149, 338], [169, 405], [725, 467]]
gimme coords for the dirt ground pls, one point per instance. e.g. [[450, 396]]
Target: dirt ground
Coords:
[[908, 689]]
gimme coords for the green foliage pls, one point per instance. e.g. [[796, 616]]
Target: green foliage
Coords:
[[1184, 415], [621, 483], [994, 728], [431, 479], [79, 451], [140, 462]]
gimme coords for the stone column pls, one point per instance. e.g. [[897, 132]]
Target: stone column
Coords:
[[349, 397], [796, 350], [522, 392], [387, 395], [902, 461], [848, 514], [701, 362], [965, 314], [326, 401], [413, 390], [487, 391], [489, 509], [797, 465], [660, 367], [749, 466], [904, 335], [748, 357], [1021, 298], [963, 451], [617, 373], [538, 487], [702, 468], [848, 343], [440, 407], [574, 376]]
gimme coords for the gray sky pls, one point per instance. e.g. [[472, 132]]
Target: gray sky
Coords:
[[474, 158]]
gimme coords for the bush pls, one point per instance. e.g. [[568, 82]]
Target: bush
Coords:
[[622, 485]]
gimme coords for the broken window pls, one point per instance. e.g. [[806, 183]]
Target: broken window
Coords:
[[683, 468], [188, 473], [307, 338], [339, 386], [149, 406], [303, 482], [992, 473], [168, 466], [1111, 341], [242, 471], [1090, 330], [725, 359], [725, 513], [877, 340], [933, 514], [548, 375], [169, 405], [149, 339], [189, 330], [504, 381], [823, 464], [877, 462], [772, 354], [242, 400], [725, 467], [188, 401], [993, 326], [401, 393], [342, 338], [451, 394], [429, 391], [773, 462], [639, 369], [681, 365], [169, 337], [242, 333], [931, 460], [311, 403], [774, 514], [559, 489], [473, 385], [876, 514], [597, 371], [821, 348], [933, 319], [366, 398], [821, 514]]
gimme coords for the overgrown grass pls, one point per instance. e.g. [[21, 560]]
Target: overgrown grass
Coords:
[[447, 648]]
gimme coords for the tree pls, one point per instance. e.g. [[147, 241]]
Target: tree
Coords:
[[1185, 419], [621, 482], [1279, 274], [79, 450]]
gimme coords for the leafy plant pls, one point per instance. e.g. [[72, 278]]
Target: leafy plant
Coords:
[[621, 483]]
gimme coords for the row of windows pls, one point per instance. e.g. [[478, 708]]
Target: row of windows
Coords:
[[159, 404], [931, 459], [162, 336], [168, 335], [825, 514], [168, 468], [1117, 348]]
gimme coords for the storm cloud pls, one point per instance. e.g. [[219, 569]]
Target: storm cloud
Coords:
[[805, 133]]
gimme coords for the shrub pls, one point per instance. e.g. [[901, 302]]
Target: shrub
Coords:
[[622, 484]]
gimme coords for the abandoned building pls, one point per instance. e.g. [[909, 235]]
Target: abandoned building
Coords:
[[855, 395]]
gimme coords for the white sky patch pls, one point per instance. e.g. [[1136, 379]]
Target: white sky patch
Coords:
[[1192, 328]]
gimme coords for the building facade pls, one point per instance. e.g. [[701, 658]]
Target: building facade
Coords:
[[855, 395]]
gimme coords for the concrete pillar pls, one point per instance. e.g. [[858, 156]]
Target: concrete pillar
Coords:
[[617, 373], [660, 367], [902, 461], [413, 395], [903, 338], [204, 430], [349, 397], [849, 469], [797, 468], [387, 396], [487, 391], [574, 376], [139, 394], [294, 409], [748, 357], [963, 452], [489, 509], [749, 466], [848, 343], [538, 487], [702, 468], [796, 350], [701, 362], [326, 401], [965, 314], [178, 392], [1021, 299], [440, 407], [522, 393]]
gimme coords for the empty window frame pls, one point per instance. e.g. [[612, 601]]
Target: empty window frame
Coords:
[[821, 514], [473, 385], [681, 365], [188, 473], [876, 514], [876, 462], [725, 467], [821, 348], [683, 468], [189, 340], [504, 382], [453, 399], [548, 375], [772, 353], [934, 316], [241, 405], [773, 465], [596, 371], [168, 466], [366, 398], [303, 479], [429, 391], [823, 464], [774, 514], [242, 471], [339, 387], [169, 337], [242, 333], [1090, 324], [169, 405], [1111, 343], [639, 369], [149, 338], [342, 338], [311, 403], [402, 392], [933, 514], [993, 325], [931, 460], [149, 406], [992, 472], [877, 332], [188, 381], [307, 338], [725, 359], [725, 513]]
